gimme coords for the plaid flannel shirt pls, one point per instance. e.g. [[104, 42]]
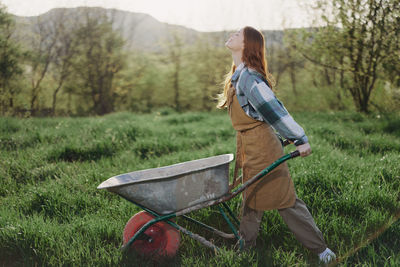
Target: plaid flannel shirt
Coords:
[[260, 103]]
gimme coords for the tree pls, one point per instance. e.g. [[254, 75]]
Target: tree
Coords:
[[65, 49], [288, 60], [358, 37], [175, 48], [205, 65], [101, 59], [40, 57], [10, 57]]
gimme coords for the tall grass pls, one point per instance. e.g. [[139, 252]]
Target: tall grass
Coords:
[[52, 214]]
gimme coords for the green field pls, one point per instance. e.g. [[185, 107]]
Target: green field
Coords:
[[52, 214]]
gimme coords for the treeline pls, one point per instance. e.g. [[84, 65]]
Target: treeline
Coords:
[[81, 65]]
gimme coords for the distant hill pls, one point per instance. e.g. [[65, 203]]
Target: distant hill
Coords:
[[141, 31]]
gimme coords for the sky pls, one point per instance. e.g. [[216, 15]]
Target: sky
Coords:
[[201, 15]]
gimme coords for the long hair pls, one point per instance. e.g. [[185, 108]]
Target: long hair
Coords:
[[254, 56]]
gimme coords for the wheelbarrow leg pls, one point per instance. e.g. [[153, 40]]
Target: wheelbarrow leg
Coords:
[[235, 232], [231, 213]]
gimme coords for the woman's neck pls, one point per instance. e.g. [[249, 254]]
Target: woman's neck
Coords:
[[237, 57]]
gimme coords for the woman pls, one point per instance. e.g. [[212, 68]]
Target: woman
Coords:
[[253, 109]]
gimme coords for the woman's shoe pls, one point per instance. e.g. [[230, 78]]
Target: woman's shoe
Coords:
[[327, 256]]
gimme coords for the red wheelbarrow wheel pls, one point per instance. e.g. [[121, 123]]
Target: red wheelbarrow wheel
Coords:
[[161, 238]]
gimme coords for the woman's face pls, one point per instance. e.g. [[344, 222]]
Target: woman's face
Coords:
[[236, 41]]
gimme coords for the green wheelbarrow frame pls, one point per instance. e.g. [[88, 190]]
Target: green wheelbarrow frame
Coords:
[[215, 202]]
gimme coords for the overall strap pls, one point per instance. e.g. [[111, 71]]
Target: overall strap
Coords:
[[238, 163]]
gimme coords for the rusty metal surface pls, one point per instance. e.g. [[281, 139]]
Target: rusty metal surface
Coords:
[[175, 187]]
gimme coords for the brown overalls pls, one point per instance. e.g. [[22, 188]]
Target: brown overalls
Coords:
[[257, 146]]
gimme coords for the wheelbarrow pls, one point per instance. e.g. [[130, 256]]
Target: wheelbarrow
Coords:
[[176, 190]]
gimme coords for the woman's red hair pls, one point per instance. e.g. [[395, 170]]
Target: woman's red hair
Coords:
[[254, 57]]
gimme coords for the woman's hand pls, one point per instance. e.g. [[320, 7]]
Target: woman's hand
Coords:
[[304, 149]]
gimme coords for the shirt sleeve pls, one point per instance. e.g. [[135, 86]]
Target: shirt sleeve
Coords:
[[264, 101]]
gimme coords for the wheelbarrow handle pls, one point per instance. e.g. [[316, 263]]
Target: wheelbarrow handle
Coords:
[[294, 154]]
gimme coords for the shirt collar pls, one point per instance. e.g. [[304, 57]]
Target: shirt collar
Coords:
[[235, 75], [241, 66]]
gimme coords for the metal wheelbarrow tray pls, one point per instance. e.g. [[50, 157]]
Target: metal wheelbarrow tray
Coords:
[[172, 188], [176, 190]]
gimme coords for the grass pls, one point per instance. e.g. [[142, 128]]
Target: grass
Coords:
[[52, 214]]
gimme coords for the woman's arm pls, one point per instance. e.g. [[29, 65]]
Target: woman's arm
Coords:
[[263, 100]]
